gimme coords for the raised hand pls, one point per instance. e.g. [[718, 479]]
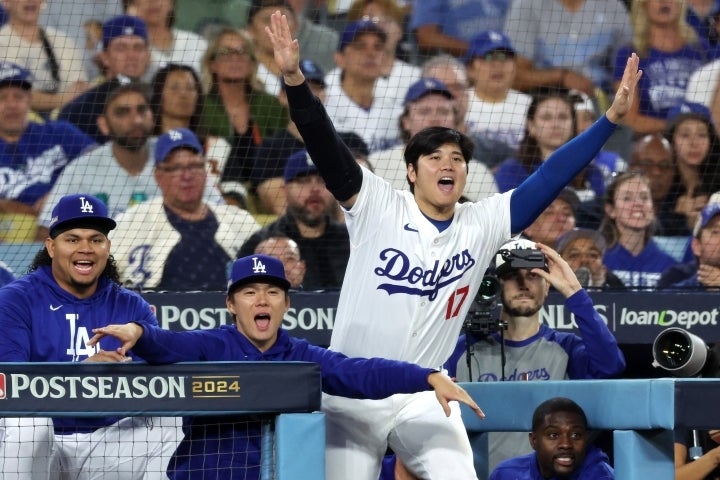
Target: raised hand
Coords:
[[625, 96], [559, 274], [446, 390], [286, 49], [128, 334]]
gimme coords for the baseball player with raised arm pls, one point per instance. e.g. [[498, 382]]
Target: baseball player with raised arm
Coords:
[[218, 448], [48, 316], [417, 259]]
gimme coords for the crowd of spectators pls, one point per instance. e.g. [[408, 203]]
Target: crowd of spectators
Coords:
[[96, 98]]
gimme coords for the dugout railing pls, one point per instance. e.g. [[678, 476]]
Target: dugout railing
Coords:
[[641, 413], [289, 391]]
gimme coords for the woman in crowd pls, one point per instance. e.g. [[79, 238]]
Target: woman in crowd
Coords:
[[178, 101], [53, 58], [696, 149], [550, 123], [670, 51], [236, 106], [628, 227]]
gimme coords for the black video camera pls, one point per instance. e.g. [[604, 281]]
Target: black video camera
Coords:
[[482, 318], [521, 258]]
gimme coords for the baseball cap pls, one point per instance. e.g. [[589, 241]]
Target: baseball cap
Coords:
[[487, 41], [312, 71], [15, 75], [176, 138], [568, 195], [688, 109], [353, 29], [595, 236], [80, 211], [709, 211], [502, 265], [426, 86], [257, 268], [122, 25], [355, 143], [582, 102], [299, 163]]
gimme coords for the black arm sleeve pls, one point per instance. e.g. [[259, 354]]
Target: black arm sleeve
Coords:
[[337, 166]]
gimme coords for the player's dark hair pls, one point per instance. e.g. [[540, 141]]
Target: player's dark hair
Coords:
[[555, 405], [43, 258], [430, 139]]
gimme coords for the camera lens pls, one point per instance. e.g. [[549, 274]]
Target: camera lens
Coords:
[[673, 349], [679, 352], [488, 288]]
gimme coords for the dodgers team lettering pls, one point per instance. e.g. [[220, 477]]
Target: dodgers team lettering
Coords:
[[398, 268]]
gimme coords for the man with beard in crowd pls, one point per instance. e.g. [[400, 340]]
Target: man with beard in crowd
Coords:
[[120, 172], [324, 243]]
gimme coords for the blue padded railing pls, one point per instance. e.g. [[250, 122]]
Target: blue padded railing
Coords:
[[642, 414]]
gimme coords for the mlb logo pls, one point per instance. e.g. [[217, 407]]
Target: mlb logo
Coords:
[[2, 387]]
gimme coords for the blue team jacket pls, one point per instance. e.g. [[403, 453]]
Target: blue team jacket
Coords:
[[41, 322], [594, 467], [219, 448]]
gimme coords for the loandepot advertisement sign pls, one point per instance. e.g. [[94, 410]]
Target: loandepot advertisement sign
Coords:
[[633, 317]]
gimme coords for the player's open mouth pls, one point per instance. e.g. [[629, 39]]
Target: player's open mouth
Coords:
[[262, 321], [564, 460], [83, 266], [446, 183]]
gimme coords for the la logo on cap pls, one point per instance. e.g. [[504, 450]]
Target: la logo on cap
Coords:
[[495, 37], [85, 206], [128, 31], [258, 266], [175, 135]]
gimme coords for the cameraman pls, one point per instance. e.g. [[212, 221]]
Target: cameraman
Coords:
[[533, 351]]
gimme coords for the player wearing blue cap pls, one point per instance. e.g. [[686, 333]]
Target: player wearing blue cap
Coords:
[[257, 297], [48, 316], [417, 260]]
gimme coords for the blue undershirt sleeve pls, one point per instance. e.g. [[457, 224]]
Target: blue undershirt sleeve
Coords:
[[538, 191]]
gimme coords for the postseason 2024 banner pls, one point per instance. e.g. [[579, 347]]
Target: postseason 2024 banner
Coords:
[[75, 389], [633, 317]]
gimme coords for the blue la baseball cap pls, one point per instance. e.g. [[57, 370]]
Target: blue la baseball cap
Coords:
[[80, 211], [299, 164], [312, 71], [709, 211], [485, 42], [176, 138], [257, 268], [691, 109], [12, 74], [122, 25], [426, 86], [353, 29]]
